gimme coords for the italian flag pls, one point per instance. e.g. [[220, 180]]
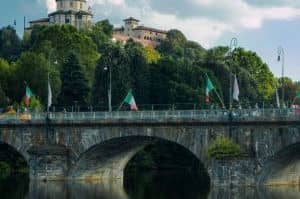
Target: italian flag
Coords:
[[209, 88], [298, 95], [28, 95], [129, 99]]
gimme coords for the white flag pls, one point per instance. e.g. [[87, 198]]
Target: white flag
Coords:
[[236, 90], [277, 99], [49, 95]]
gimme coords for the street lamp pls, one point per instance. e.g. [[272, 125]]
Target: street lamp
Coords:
[[109, 91], [232, 47], [281, 57], [109, 88]]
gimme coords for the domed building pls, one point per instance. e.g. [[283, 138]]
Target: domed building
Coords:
[[73, 12]]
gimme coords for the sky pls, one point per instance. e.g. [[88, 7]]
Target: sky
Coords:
[[259, 25]]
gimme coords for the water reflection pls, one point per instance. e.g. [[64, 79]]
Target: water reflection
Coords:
[[165, 185], [77, 190], [255, 192], [150, 186]]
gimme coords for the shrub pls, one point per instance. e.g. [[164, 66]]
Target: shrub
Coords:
[[223, 147], [4, 170]]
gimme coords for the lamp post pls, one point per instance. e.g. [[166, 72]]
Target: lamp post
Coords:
[[109, 91], [232, 47], [281, 56], [109, 88]]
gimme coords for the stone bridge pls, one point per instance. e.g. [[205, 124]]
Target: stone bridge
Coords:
[[97, 146]]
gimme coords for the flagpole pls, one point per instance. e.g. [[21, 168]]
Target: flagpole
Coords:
[[216, 93], [120, 106], [223, 105]]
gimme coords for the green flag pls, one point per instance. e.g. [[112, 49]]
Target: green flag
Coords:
[[28, 95], [129, 99], [209, 88], [298, 94]]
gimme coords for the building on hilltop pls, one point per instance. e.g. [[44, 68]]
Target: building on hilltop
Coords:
[[142, 34], [73, 12]]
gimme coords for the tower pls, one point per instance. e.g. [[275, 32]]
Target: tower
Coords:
[[74, 5], [73, 12], [130, 24]]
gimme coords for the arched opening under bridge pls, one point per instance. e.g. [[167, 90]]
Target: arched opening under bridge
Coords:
[[283, 168], [14, 173], [114, 159]]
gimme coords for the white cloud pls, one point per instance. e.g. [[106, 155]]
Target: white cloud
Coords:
[[51, 5], [201, 20]]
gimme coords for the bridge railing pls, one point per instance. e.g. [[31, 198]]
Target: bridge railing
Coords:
[[142, 115], [199, 115]]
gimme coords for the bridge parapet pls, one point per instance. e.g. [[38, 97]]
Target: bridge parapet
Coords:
[[203, 116]]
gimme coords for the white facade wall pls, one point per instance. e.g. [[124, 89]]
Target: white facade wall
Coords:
[[75, 5]]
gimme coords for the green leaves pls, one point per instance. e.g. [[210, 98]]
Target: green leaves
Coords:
[[223, 147], [74, 87]]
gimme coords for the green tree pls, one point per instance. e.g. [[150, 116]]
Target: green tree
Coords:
[[100, 33], [62, 39], [34, 69], [151, 55], [139, 72], [74, 83], [10, 44], [114, 58]]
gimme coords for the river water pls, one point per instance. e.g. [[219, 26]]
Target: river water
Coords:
[[150, 185]]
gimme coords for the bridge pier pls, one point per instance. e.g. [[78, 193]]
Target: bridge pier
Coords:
[[48, 162], [233, 171]]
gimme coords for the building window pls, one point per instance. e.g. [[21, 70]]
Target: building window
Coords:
[[81, 5], [79, 16], [71, 4], [67, 20], [145, 37]]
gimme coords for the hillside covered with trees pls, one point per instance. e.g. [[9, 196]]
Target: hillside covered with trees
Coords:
[[173, 73]]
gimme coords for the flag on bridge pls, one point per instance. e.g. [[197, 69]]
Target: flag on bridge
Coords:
[[298, 94], [209, 87], [49, 96], [236, 90], [129, 99], [28, 95]]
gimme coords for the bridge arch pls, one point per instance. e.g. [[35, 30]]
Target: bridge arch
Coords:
[[17, 159], [195, 139], [283, 168], [108, 159]]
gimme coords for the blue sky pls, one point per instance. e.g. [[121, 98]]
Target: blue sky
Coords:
[[259, 25]]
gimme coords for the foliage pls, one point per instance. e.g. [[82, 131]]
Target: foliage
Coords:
[[223, 147], [5, 170], [113, 57], [30, 66], [173, 72], [10, 44], [100, 33], [75, 86], [62, 39], [151, 55]]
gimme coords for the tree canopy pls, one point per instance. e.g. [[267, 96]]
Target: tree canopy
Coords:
[[79, 61]]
